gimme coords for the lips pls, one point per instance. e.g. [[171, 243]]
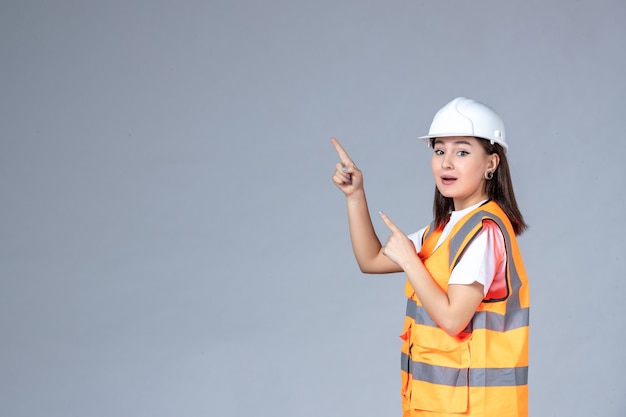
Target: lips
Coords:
[[447, 179]]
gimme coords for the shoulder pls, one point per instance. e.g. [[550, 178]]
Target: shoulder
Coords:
[[491, 227], [492, 236], [488, 212]]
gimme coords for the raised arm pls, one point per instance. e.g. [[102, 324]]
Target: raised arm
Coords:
[[365, 244]]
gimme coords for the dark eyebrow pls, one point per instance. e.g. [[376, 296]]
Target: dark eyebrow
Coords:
[[456, 142]]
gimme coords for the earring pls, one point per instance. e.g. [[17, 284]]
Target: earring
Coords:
[[489, 175]]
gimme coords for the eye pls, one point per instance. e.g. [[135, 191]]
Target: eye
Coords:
[[462, 153], [438, 152]]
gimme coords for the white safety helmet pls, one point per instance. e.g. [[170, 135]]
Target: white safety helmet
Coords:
[[466, 117]]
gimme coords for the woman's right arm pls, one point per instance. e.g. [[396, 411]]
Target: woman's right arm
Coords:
[[365, 244]]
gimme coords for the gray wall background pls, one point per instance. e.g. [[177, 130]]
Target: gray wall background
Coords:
[[171, 243]]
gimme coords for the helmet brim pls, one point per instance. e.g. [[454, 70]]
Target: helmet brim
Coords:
[[427, 138]]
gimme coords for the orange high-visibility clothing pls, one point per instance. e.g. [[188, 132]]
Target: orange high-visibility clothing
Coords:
[[483, 371]]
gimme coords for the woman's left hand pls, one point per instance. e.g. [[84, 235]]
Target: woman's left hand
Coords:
[[399, 248]]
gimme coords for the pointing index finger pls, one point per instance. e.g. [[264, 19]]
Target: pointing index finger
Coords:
[[345, 159], [389, 223]]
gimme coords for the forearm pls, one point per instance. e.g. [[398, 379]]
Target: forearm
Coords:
[[434, 300], [451, 310], [365, 242]]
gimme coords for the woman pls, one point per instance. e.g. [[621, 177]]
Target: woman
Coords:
[[465, 338]]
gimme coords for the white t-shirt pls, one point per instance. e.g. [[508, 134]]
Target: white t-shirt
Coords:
[[484, 259]]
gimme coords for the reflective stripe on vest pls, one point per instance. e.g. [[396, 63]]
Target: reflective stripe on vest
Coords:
[[488, 320], [474, 377]]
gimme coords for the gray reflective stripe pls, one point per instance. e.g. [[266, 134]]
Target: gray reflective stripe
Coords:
[[498, 377], [431, 228], [405, 363], [418, 314], [489, 320], [460, 377], [457, 239]]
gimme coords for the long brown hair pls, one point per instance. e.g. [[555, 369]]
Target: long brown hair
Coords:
[[499, 189]]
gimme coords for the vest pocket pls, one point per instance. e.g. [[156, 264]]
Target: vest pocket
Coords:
[[440, 372]]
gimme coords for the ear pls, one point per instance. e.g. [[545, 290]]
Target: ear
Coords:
[[493, 162]]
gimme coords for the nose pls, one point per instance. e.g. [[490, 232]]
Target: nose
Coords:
[[446, 161]]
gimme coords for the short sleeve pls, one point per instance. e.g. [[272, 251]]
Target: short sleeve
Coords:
[[417, 238], [484, 260]]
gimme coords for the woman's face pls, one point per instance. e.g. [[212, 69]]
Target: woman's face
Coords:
[[459, 165]]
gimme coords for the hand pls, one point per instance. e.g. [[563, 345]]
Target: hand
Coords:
[[399, 248], [347, 177]]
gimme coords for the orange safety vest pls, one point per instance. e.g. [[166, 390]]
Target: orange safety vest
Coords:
[[483, 371]]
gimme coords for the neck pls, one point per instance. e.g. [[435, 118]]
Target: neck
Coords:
[[465, 203]]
